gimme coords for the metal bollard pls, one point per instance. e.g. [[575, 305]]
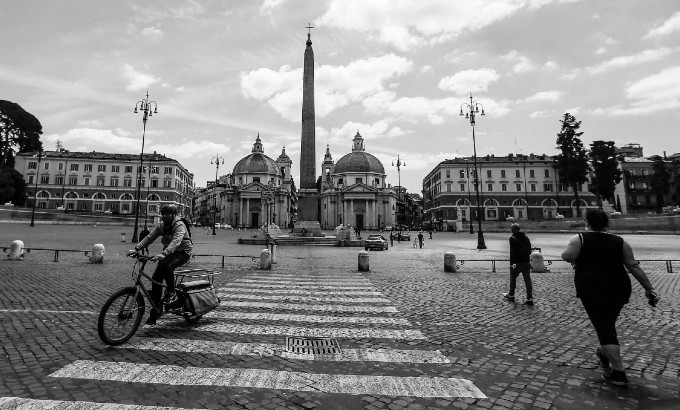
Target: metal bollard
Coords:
[[274, 253], [97, 253], [265, 259], [122, 237], [16, 251], [449, 262], [363, 261], [536, 259]]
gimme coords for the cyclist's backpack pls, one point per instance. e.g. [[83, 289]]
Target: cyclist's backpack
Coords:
[[187, 224]]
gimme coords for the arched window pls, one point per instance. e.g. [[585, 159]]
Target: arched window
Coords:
[[549, 202], [519, 202], [99, 196]]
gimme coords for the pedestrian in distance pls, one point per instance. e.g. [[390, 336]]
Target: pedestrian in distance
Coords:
[[420, 238], [177, 247], [600, 260], [520, 253], [143, 234], [391, 239], [430, 232]]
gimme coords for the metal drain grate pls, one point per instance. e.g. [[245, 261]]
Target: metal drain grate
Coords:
[[314, 345]]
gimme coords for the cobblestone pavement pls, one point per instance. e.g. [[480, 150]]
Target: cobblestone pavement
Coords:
[[411, 336]]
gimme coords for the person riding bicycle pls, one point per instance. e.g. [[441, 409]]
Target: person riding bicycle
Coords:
[[177, 247]]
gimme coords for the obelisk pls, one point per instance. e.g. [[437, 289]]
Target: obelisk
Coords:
[[308, 196]]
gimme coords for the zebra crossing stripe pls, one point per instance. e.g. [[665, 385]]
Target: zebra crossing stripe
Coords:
[[218, 314], [335, 276], [306, 282], [294, 298], [305, 307], [353, 333], [301, 291], [30, 404], [279, 285], [270, 379], [268, 350]]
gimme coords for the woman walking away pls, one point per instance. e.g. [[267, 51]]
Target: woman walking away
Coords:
[[604, 287]]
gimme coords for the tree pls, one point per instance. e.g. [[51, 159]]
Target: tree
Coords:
[[606, 172], [12, 187], [19, 132], [572, 162], [660, 180]]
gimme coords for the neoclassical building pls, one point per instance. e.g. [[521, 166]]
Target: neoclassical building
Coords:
[[354, 190], [257, 192]]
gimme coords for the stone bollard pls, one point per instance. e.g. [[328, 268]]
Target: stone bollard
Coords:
[[97, 253], [122, 237], [536, 259], [16, 251], [265, 259], [449, 262], [274, 253], [363, 261]]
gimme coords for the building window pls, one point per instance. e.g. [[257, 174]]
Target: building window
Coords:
[[517, 173], [127, 182], [74, 167], [100, 181], [489, 187], [518, 187], [462, 173], [44, 179], [101, 168], [115, 168], [59, 180], [47, 166], [631, 185], [87, 181], [533, 187], [167, 183], [448, 173], [88, 167], [643, 172], [125, 208], [358, 180], [504, 187], [546, 173], [488, 173], [32, 165], [114, 181], [73, 181], [448, 187], [143, 170], [532, 173], [154, 183], [98, 206], [547, 187], [462, 187], [128, 169], [61, 166], [30, 179], [502, 173], [154, 170]]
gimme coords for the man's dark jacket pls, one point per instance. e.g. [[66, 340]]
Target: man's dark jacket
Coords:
[[520, 248]]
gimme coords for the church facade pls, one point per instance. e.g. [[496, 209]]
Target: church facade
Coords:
[[354, 191]]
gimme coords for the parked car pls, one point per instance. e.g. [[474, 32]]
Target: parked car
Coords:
[[389, 228], [376, 242], [404, 236]]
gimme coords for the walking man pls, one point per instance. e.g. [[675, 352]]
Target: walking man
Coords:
[[420, 239], [520, 252], [391, 239]]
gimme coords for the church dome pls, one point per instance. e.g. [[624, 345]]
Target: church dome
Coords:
[[358, 160], [257, 162]]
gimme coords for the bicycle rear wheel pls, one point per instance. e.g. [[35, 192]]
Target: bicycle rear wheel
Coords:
[[120, 316]]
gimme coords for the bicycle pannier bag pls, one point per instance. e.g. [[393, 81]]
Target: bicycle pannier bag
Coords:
[[199, 298]]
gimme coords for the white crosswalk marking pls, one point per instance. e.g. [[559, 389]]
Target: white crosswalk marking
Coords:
[[220, 314], [18, 403], [270, 379], [302, 298], [301, 291], [303, 307], [264, 349]]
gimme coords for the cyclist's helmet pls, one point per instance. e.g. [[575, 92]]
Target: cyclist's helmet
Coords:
[[169, 209]]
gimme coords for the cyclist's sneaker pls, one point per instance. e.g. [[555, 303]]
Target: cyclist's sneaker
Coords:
[[509, 297], [604, 360], [616, 377], [529, 302], [151, 320], [169, 298]]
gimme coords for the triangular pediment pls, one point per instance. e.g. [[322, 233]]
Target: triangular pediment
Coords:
[[360, 187]]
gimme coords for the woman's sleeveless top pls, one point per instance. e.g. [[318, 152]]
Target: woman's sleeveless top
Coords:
[[600, 274]]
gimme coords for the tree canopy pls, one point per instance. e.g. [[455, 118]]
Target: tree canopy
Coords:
[[19, 131], [572, 162], [606, 173]]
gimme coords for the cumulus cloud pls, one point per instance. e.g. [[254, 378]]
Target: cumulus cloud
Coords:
[[343, 135], [406, 24], [658, 92], [464, 82], [667, 27], [335, 86], [625, 61], [426, 69], [268, 6], [153, 33], [543, 96], [522, 64], [137, 80]]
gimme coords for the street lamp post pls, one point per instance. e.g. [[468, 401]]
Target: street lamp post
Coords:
[[145, 106], [148, 191], [35, 194], [471, 110], [215, 160], [400, 163]]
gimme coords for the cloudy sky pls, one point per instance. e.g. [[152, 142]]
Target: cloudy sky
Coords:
[[397, 71]]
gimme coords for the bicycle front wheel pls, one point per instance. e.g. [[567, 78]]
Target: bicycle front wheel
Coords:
[[120, 317]]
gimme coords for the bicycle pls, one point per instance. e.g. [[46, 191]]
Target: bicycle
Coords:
[[122, 313]]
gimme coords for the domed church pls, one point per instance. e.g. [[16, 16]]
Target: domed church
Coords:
[[258, 191], [354, 191]]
